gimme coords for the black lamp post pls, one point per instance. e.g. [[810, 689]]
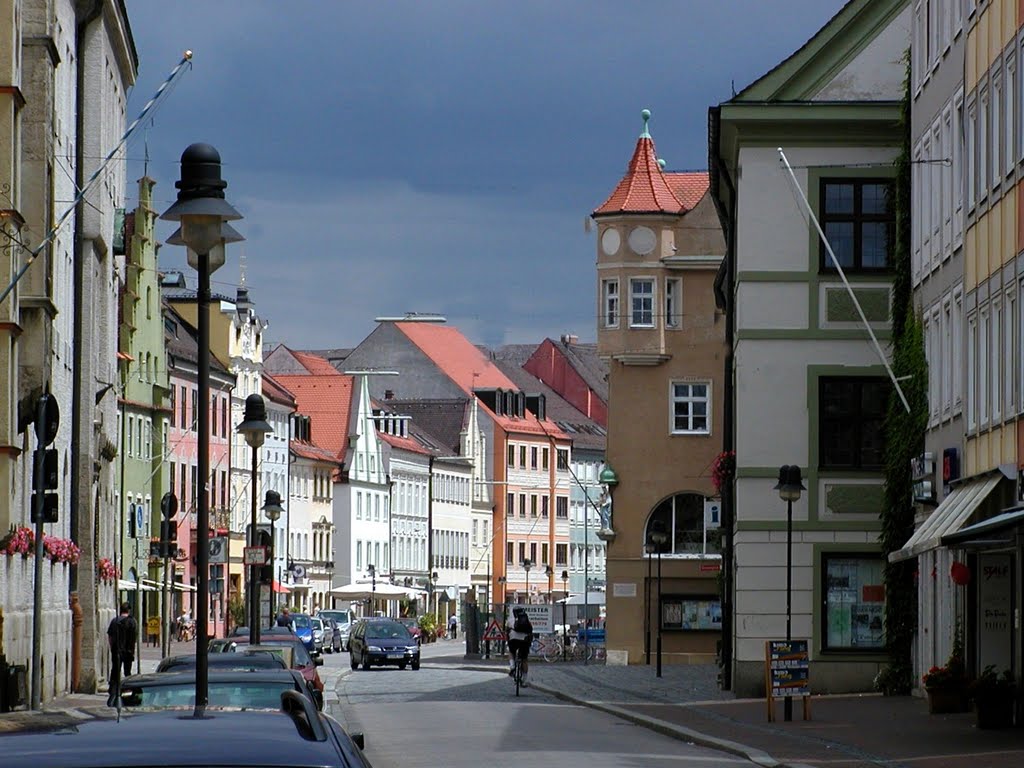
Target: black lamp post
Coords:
[[255, 428], [372, 570], [659, 537], [649, 549], [527, 565], [565, 603], [789, 487], [203, 213], [549, 572], [272, 509], [433, 591]]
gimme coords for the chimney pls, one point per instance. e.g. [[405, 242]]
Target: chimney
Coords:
[[389, 395], [568, 339]]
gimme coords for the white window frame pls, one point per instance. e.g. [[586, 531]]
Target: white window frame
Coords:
[[946, 335], [1010, 310], [946, 182], [673, 399], [610, 302], [935, 192], [932, 352], [917, 234], [958, 167], [984, 344], [971, 155], [652, 300], [1010, 117], [995, 355], [927, 208], [984, 161], [917, 50], [674, 303], [972, 370], [957, 355], [996, 123]]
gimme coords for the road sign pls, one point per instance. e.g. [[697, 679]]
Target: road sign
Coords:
[[218, 549], [494, 632], [255, 556]]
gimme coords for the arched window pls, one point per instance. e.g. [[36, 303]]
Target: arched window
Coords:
[[682, 516]]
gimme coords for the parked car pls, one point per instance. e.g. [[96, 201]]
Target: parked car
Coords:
[[304, 630], [332, 636], [227, 661], [249, 688], [344, 620], [319, 638], [295, 732], [299, 658], [413, 625], [383, 641]]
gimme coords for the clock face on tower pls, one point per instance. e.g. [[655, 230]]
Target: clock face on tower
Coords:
[[610, 241], [642, 240]]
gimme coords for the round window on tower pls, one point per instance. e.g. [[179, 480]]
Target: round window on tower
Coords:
[[642, 240]]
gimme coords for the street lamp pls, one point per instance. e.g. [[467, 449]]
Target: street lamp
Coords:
[[658, 538], [272, 509], [372, 570], [527, 565], [255, 428], [203, 213], [649, 549], [549, 572], [565, 603], [433, 591], [789, 487]]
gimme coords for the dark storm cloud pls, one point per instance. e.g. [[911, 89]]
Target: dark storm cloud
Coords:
[[437, 156]]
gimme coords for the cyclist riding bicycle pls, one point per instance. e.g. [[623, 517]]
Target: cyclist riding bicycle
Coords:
[[520, 635]]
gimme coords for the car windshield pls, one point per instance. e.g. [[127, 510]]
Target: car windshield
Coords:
[[339, 616], [264, 695], [300, 621], [317, 623], [387, 630], [300, 656]]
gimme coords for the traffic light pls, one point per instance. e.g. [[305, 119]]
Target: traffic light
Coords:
[[45, 464], [266, 574], [168, 538]]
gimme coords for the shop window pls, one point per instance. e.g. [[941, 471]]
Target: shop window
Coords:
[[854, 596]]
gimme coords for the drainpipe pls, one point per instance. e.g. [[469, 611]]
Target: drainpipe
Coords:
[[724, 288], [87, 14]]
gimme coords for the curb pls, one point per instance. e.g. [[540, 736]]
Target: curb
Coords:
[[681, 733]]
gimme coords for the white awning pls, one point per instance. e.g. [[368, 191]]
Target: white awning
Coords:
[[132, 586], [156, 586], [950, 516]]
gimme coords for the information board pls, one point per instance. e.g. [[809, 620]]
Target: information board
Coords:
[[787, 672]]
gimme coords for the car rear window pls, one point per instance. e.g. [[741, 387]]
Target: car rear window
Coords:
[[265, 695]]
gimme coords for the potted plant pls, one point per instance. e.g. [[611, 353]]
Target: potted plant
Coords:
[[946, 687], [994, 695]]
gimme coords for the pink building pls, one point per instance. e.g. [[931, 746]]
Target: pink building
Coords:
[[183, 451]]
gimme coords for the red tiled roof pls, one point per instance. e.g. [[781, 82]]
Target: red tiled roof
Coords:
[[327, 400], [316, 365], [644, 188], [452, 352], [689, 186], [273, 390], [313, 452], [405, 443]]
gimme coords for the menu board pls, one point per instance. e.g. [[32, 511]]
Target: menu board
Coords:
[[788, 668]]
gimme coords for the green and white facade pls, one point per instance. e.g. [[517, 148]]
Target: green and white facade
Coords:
[[806, 385]]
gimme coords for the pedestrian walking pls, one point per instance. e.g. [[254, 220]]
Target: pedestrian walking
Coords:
[[122, 635], [453, 625], [285, 619]]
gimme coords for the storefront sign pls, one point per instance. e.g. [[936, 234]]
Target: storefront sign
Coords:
[[787, 673]]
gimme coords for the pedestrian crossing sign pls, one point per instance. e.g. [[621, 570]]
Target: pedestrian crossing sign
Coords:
[[493, 631]]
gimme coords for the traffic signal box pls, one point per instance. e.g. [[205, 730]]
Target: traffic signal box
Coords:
[[45, 463]]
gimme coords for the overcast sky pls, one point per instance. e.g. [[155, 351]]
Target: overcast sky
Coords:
[[435, 156]]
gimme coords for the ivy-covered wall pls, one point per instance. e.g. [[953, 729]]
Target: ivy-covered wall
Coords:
[[904, 433]]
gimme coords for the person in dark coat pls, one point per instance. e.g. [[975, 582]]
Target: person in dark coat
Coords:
[[122, 634]]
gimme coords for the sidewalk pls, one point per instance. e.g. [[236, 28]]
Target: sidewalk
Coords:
[[844, 732]]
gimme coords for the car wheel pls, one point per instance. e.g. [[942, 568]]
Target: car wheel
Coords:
[[415, 665], [353, 661], [366, 662]]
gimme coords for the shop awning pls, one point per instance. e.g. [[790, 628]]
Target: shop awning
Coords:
[[982, 533], [280, 588], [949, 517], [131, 586], [156, 586]]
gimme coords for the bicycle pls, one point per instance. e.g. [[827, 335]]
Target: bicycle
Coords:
[[517, 672], [546, 647]]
